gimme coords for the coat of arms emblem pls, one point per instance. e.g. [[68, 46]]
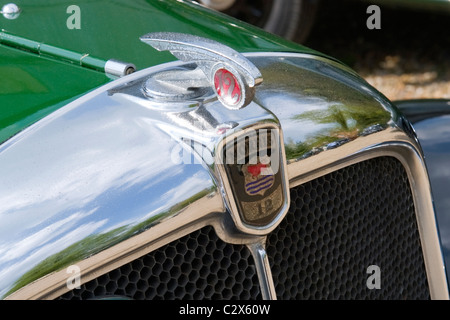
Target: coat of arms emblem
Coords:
[[258, 178], [255, 178]]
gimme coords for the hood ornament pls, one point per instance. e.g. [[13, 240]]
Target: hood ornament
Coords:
[[231, 75]]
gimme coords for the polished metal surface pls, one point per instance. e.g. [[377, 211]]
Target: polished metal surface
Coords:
[[218, 4], [259, 253], [216, 60], [177, 86], [118, 68], [431, 122], [10, 11], [112, 176]]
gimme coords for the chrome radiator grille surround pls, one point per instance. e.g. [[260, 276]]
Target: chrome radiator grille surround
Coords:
[[196, 267], [134, 197], [340, 224], [337, 226]]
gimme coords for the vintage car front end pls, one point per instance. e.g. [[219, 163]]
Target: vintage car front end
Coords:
[[272, 173]]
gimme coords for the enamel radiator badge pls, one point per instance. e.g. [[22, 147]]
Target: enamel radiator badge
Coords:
[[254, 178]]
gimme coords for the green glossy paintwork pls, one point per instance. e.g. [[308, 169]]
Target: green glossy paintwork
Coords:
[[32, 87], [37, 82], [111, 29]]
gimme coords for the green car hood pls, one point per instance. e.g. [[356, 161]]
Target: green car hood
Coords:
[[35, 84]]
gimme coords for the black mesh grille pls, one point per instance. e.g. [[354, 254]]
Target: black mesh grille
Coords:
[[342, 223], [337, 226], [197, 266]]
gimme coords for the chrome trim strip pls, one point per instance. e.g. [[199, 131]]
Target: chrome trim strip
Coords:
[[259, 254], [141, 244], [391, 141], [413, 163], [125, 251]]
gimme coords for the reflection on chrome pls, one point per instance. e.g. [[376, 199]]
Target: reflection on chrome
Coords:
[[93, 185]]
